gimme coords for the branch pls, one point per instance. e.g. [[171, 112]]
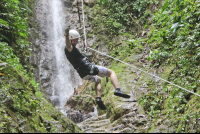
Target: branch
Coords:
[[135, 21]]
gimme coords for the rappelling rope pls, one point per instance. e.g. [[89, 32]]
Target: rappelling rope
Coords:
[[132, 65], [144, 71], [85, 45]]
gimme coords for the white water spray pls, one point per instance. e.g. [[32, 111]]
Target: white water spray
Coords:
[[62, 84]]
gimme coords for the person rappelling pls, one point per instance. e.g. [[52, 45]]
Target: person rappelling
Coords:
[[86, 69]]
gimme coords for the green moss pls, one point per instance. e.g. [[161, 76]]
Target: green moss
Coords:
[[22, 104], [166, 71], [159, 99]]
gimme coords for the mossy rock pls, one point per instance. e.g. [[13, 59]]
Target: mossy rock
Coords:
[[83, 103], [24, 109]]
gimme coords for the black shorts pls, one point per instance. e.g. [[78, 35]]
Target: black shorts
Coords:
[[93, 78]]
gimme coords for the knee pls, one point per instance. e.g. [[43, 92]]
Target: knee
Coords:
[[110, 72], [98, 81], [98, 85]]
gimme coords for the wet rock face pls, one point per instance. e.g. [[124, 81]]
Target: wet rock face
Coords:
[[77, 116], [80, 108], [45, 59], [81, 102], [127, 124], [42, 49]]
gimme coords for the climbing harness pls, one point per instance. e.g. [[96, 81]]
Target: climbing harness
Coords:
[[132, 65]]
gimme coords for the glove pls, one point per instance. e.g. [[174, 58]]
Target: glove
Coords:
[[67, 30]]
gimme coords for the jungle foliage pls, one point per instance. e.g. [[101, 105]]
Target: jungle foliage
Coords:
[[14, 32], [14, 45], [23, 108], [16, 79], [169, 31]]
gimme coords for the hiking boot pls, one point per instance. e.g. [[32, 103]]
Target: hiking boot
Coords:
[[100, 104], [121, 94]]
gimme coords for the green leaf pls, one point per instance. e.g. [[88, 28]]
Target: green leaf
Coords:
[[154, 103], [165, 5], [4, 23], [175, 25]]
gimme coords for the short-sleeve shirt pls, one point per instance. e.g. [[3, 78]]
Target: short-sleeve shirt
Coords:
[[75, 58]]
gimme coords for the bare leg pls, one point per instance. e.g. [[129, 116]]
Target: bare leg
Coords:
[[98, 87], [113, 78], [115, 83], [98, 98]]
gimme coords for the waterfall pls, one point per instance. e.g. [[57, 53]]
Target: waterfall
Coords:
[[62, 81], [58, 79], [56, 75]]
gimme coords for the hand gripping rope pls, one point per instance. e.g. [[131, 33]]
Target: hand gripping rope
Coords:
[[85, 47]]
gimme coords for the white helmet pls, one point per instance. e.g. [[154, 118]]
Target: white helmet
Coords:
[[73, 34]]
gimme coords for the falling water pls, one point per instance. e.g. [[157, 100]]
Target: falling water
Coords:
[[62, 84], [57, 76]]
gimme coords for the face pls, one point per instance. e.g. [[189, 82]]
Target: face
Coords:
[[74, 42]]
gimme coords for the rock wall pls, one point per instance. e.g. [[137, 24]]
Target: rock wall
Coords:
[[45, 59]]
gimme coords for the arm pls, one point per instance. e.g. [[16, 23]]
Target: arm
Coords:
[[67, 41]]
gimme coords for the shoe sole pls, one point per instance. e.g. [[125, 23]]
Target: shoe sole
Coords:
[[122, 95]]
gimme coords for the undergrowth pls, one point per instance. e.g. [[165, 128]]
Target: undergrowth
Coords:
[[168, 31]]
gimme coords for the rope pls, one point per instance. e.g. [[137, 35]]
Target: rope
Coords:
[[84, 25], [132, 65], [144, 71]]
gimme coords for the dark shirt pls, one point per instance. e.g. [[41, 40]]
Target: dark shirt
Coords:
[[76, 59]]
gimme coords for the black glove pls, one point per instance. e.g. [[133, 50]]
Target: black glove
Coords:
[[67, 30]]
